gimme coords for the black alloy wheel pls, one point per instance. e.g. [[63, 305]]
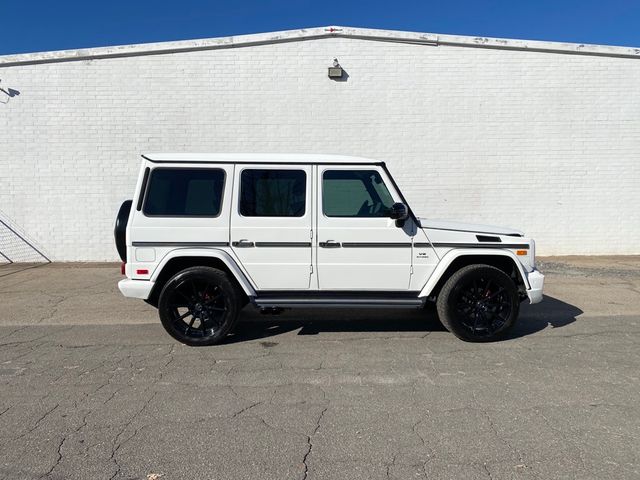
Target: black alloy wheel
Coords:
[[478, 303], [199, 306]]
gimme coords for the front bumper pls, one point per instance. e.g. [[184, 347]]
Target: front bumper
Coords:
[[136, 288], [536, 283]]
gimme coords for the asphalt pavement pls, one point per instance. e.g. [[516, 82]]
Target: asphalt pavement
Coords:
[[91, 387]]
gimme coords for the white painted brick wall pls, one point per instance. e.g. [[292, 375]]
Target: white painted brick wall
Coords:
[[546, 142]]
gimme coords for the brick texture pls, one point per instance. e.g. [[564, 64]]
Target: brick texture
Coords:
[[546, 142]]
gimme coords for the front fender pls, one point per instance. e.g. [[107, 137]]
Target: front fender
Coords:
[[231, 264], [455, 253]]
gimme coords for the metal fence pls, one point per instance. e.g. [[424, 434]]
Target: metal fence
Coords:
[[16, 246]]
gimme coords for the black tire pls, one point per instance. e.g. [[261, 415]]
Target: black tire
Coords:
[[199, 306], [478, 303]]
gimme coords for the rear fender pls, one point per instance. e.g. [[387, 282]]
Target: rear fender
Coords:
[[451, 255], [242, 279]]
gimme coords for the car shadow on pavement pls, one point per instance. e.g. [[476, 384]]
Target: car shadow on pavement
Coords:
[[551, 312], [253, 326]]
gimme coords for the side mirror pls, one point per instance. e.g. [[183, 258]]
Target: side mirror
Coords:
[[399, 212]]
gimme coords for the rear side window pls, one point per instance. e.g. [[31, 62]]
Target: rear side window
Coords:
[[184, 192], [355, 193], [272, 193]]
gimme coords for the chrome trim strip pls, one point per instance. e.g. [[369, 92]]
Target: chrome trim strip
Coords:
[[523, 246], [180, 244], [283, 244], [376, 245]]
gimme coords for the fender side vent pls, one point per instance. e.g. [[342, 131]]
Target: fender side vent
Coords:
[[488, 238]]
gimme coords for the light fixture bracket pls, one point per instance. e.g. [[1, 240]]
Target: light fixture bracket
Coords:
[[335, 71]]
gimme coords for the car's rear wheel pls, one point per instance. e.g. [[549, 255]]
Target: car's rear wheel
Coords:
[[478, 303], [199, 306]]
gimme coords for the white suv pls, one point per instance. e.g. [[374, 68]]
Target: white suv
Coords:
[[207, 233]]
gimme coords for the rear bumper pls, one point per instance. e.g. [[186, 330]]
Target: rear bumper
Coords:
[[536, 282], [136, 288]]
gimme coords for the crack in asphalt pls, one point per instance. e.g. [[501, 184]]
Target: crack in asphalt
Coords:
[[16, 331], [59, 459], [486, 470], [392, 464], [170, 354], [35, 425], [116, 445], [503, 440], [310, 444], [31, 340], [113, 374], [246, 409], [414, 429], [562, 435], [52, 310]]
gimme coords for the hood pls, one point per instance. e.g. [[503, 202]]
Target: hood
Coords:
[[468, 227]]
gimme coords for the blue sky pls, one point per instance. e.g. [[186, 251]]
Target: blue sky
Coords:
[[29, 26]]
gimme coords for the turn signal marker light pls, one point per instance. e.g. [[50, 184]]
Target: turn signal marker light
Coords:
[[521, 252]]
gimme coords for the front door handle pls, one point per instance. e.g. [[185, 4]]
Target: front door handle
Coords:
[[330, 244], [242, 243]]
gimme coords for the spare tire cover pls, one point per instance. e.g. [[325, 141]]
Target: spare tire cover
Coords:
[[120, 229]]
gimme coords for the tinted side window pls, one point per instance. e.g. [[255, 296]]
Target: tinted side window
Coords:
[[272, 193], [185, 192], [355, 193]]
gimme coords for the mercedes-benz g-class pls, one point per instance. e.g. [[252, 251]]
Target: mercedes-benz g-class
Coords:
[[206, 234]]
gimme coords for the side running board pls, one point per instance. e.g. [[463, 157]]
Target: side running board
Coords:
[[338, 302]]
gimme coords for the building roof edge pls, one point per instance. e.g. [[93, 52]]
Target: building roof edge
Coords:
[[311, 34]]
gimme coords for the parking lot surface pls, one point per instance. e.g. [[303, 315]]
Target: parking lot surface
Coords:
[[91, 387]]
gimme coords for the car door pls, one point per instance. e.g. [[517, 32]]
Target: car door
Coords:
[[358, 246], [271, 224]]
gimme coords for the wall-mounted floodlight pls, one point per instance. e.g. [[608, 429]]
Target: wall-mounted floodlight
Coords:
[[335, 71]]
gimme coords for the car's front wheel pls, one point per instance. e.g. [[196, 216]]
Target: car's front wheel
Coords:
[[199, 306], [478, 303]]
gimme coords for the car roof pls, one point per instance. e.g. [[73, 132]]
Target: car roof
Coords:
[[302, 158]]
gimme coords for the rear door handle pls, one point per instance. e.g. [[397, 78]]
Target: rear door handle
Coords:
[[243, 243], [330, 244]]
